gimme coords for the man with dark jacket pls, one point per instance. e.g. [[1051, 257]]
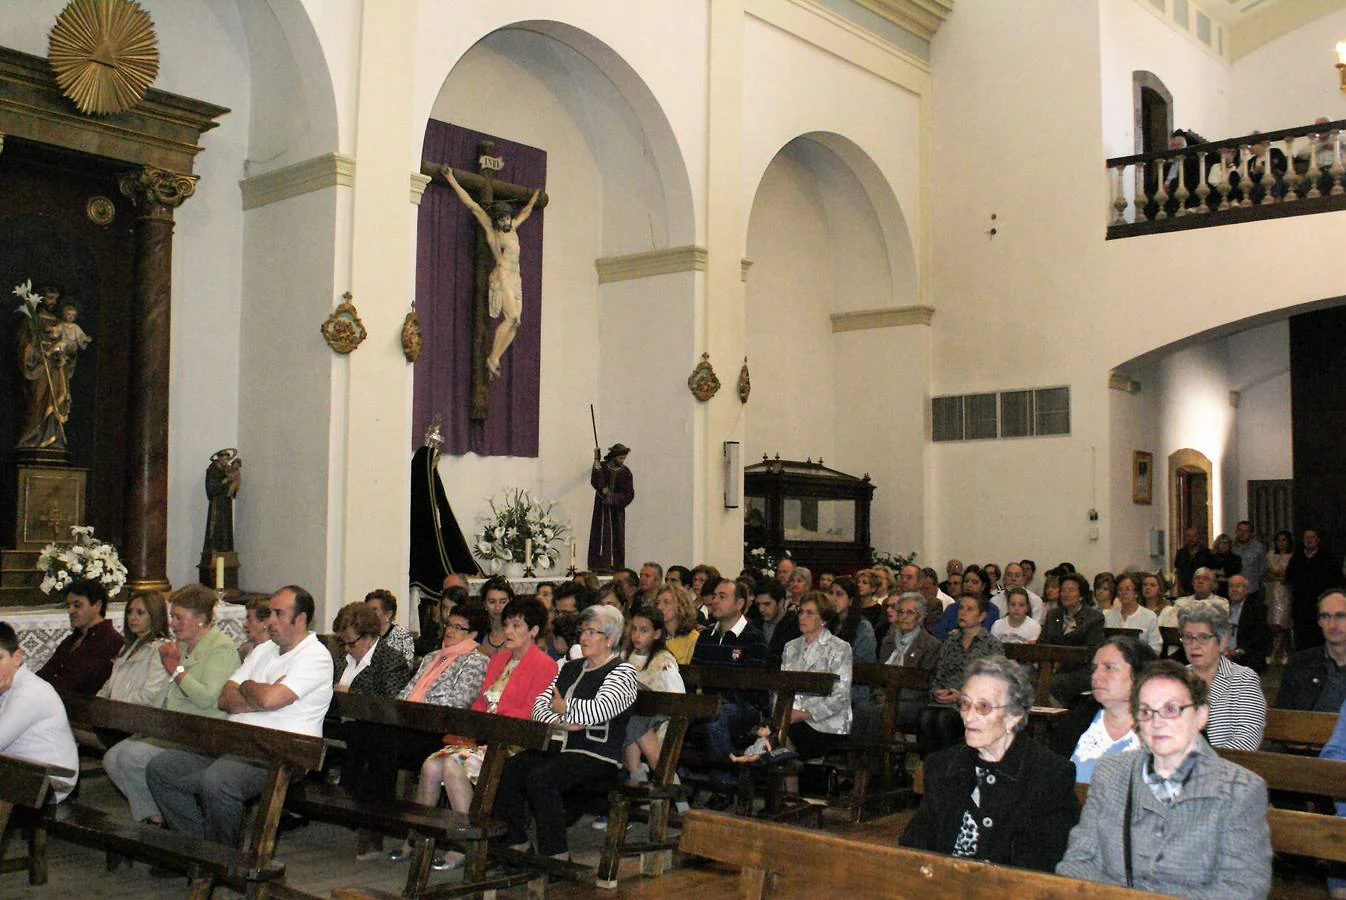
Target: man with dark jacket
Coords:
[[779, 624], [1250, 637], [1311, 571], [1315, 679]]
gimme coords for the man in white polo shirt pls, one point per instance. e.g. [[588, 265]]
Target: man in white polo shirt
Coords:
[[284, 684]]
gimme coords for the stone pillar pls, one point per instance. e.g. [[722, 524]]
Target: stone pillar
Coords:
[[156, 193]]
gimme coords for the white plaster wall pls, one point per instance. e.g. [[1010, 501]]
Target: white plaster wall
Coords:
[[1195, 413], [202, 55], [645, 331], [1258, 363], [1021, 309], [1133, 39], [1134, 423], [1290, 81], [789, 299], [286, 386]]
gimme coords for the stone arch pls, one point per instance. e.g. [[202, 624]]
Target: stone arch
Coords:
[[621, 121], [1190, 488]]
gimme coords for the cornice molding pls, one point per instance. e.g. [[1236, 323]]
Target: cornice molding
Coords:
[[655, 262], [1119, 382], [868, 319], [328, 170], [1277, 20], [920, 17], [419, 183], [835, 34]]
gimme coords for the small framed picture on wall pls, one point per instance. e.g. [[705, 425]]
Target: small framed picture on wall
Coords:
[[1142, 477]]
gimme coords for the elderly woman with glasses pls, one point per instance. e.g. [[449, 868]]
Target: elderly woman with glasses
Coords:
[[587, 705], [1238, 708], [996, 797], [1174, 818]]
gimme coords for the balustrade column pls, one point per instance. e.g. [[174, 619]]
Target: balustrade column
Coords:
[[156, 193]]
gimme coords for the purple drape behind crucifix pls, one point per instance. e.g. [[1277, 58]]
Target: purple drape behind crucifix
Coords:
[[445, 242]]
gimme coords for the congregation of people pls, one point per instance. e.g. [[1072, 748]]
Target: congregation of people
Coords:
[[1142, 720]]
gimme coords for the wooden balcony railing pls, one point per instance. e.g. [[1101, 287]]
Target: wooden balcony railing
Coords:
[[1298, 171]]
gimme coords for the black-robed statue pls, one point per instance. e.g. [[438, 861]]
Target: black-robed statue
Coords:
[[438, 547], [223, 477]]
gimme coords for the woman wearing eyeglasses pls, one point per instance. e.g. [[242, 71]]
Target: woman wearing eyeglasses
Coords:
[[587, 705], [1174, 818], [1238, 708], [997, 797], [819, 721], [366, 664]]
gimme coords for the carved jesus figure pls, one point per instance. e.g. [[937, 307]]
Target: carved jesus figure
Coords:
[[499, 225]]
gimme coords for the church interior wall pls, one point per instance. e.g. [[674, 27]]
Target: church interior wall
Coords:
[[1259, 369], [1134, 425], [1195, 413], [1019, 309], [1289, 81], [1134, 39]]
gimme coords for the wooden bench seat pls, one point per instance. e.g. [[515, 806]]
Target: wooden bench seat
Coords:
[[25, 784], [249, 869], [1048, 658], [770, 851], [782, 687], [426, 825]]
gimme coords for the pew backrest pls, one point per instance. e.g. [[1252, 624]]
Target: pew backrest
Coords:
[[765, 849], [782, 685], [1048, 658], [24, 782], [1298, 774], [215, 737], [1294, 726]]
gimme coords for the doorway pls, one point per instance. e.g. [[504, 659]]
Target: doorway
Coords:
[[1189, 479], [1153, 122]]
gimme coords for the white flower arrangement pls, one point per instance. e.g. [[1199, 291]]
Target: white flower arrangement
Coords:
[[84, 558], [512, 523], [759, 558]]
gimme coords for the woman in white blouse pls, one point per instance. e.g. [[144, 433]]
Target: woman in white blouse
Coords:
[[1104, 725], [137, 674], [819, 721]]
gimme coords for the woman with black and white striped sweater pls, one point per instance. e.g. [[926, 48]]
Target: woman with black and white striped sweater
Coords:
[[587, 705], [1238, 708]]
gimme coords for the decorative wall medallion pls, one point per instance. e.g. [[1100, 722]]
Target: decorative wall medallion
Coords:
[[104, 54], [702, 382], [744, 382], [100, 210], [343, 329], [411, 336]]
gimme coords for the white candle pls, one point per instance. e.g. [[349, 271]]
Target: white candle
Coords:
[[219, 573], [572, 553], [528, 552]]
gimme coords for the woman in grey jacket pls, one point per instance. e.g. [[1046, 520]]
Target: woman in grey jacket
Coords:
[[1174, 818]]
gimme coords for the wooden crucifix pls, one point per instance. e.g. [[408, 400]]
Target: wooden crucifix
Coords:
[[497, 287]]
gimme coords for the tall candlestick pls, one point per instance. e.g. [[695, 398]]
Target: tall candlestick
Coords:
[[528, 552], [219, 573]]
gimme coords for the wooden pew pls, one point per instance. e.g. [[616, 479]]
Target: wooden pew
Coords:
[[27, 784], [891, 747], [1048, 658], [1170, 640], [782, 688], [839, 867], [660, 792], [472, 830], [1122, 632], [1299, 728], [617, 799], [250, 868], [1298, 774]]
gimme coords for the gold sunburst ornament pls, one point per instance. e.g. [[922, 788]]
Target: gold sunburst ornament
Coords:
[[104, 54]]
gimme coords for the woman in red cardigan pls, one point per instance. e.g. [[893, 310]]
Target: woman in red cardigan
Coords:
[[514, 678]]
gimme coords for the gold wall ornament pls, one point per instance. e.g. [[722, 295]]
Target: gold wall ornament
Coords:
[[100, 210], [104, 54], [411, 336], [744, 382], [343, 329], [703, 382], [150, 185]]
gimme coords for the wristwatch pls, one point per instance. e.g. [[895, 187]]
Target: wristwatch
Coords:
[[178, 671]]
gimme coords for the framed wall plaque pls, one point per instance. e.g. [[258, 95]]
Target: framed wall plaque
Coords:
[[1142, 477]]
